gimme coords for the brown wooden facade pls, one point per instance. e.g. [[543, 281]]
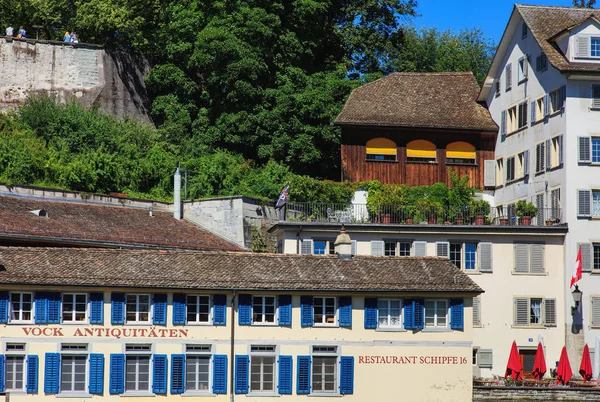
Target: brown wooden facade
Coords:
[[356, 168]]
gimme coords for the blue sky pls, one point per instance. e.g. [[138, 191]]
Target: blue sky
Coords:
[[490, 16]]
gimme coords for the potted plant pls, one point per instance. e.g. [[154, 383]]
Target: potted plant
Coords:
[[549, 222], [525, 210], [503, 221], [429, 210], [385, 202], [481, 209]]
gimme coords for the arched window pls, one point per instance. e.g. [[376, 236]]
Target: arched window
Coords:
[[460, 152], [420, 151], [381, 149]]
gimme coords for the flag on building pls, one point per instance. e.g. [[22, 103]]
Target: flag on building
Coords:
[[283, 196], [577, 269]]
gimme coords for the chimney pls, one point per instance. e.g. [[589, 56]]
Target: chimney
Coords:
[[177, 195], [343, 245]]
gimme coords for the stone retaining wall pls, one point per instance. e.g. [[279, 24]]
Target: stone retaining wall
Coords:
[[498, 394]]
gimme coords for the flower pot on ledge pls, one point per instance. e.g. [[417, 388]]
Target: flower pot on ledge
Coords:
[[386, 218], [459, 221], [409, 221], [549, 222], [525, 221], [503, 221], [432, 220], [479, 219]]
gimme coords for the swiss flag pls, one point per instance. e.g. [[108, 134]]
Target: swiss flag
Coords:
[[576, 269]]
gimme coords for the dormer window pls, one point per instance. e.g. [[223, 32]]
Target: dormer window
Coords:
[[587, 46], [595, 47]]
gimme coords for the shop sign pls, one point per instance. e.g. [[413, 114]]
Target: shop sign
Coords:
[[116, 333], [414, 360]]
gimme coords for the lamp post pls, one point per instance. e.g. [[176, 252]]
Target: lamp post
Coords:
[[576, 298]]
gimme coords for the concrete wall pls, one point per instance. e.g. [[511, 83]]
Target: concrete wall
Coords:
[[110, 80]]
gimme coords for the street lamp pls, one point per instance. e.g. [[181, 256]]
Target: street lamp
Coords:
[[576, 298]]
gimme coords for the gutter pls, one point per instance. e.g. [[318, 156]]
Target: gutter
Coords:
[[385, 125]]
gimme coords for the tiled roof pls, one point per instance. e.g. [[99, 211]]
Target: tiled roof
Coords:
[[545, 23], [222, 270], [80, 223], [438, 100]]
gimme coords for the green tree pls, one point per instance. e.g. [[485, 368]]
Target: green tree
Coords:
[[584, 4]]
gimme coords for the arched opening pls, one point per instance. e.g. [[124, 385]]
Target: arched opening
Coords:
[[460, 152], [381, 149], [420, 151]]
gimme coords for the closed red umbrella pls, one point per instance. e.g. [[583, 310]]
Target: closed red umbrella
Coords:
[[563, 371], [514, 369], [539, 364], [585, 369]]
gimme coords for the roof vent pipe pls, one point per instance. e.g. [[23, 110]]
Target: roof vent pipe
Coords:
[[343, 245], [177, 195], [40, 212]]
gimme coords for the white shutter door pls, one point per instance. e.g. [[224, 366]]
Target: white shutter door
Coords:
[[587, 256], [306, 247], [582, 46], [595, 312], [489, 173], [377, 247], [584, 203], [537, 258], [485, 257], [442, 249], [521, 311], [476, 311], [584, 153], [521, 258], [420, 248], [550, 312]]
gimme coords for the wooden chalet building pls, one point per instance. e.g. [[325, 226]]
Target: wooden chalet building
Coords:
[[411, 127]]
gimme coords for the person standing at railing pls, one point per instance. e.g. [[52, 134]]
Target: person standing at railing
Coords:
[[9, 31], [67, 37], [22, 32], [74, 37]]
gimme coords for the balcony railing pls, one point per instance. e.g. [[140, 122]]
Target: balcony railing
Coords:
[[393, 214]]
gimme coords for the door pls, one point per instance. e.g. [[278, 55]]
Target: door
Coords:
[[527, 360]]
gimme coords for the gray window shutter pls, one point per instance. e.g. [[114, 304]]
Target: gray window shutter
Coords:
[[306, 246], [582, 46], [526, 66], [521, 311], [584, 146], [550, 312], [508, 76], [584, 203], [503, 124], [526, 162], [555, 203], [442, 249], [485, 257], [587, 256], [476, 311], [537, 258], [353, 247], [420, 248], [546, 105], [560, 150], [533, 111], [596, 96], [548, 155], [539, 203], [485, 358], [489, 174], [521, 258], [596, 312], [377, 247]]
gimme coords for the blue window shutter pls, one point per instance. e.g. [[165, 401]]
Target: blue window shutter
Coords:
[[457, 315], [563, 96], [370, 313], [159, 306], [159, 374], [419, 313], [409, 315], [219, 310], [41, 308], [303, 377], [51, 373], [54, 300], [96, 383], [177, 374], [219, 374], [245, 309], [285, 374], [117, 308], [306, 311], [347, 375], [32, 374], [3, 307], [285, 309], [2, 374], [241, 374], [117, 374], [179, 309], [345, 311], [97, 308], [546, 105], [533, 112]]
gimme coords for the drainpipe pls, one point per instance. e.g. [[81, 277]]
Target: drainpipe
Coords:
[[232, 350], [297, 240], [177, 195]]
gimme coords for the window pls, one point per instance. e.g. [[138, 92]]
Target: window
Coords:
[[595, 96], [529, 258], [512, 122], [522, 168], [420, 151], [595, 203], [72, 369], [534, 311], [197, 368], [324, 310], [540, 158], [555, 205], [595, 149], [464, 255], [404, 248], [541, 62], [474, 359], [14, 375], [262, 368], [436, 313], [460, 152], [137, 368], [556, 150], [137, 308], [523, 67], [499, 171], [21, 307], [389, 313], [522, 115], [510, 169], [198, 309], [557, 100], [455, 253], [324, 369], [540, 109], [497, 87], [396, 248], [381, 149], [595, 47], [74, 307], [508, 72], [263, 309], [322, 247], [389, 248]]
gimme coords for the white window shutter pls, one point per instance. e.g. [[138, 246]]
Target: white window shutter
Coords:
[[539, 204], [353, 247], [550, 312], [537, 258], [521, 258], [521, 311], [485, 257], [485, 358], [420, 248], [377, 247], [508, 76], [584, 203], [306, 246], [442, 249], [582, 46], [587, 256], [548, 155], [596, 312], [489, 173], [476, 311], [560, 150], [526, 162], [503, 124], [596, 96], [584, 149]]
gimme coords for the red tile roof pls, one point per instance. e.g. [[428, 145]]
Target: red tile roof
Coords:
[[75, 223]]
